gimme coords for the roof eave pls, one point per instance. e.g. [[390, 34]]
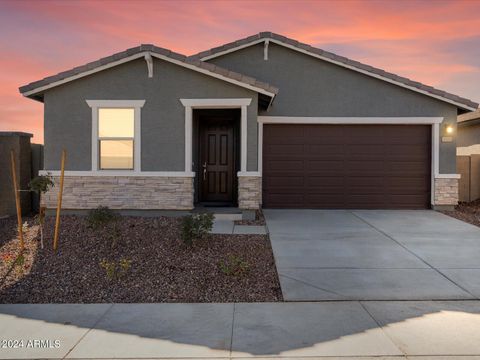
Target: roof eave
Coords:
[[34, 92], [306, 49]]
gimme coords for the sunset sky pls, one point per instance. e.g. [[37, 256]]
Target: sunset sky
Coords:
[[434, 42]]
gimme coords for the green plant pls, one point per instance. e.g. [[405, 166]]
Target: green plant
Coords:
[[114, 269], [41, 184], [196, 226], [100, 217], [20, 260], [114, 235], [109, 267], [234, 266], [125, 265]]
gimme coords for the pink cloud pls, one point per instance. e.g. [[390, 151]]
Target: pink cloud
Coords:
[[42, 38]]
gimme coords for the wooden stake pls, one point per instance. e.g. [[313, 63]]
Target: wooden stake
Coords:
[[17, 199], [59, 203]]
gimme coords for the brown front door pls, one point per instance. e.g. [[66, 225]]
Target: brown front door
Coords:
[[216, 170]]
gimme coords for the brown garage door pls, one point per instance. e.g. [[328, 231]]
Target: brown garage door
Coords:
[[347, 166]]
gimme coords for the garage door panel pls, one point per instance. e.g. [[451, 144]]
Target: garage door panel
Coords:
[[325, 181], [347, 166], [285, 165], [281, 133], [285, 149], [282, 199], [406, 182], [321, 200], [407, 171], [366, 149], [367, 167], [324, 166], [273, 182], [365, 131], [326, 132], [365, 200], [324, 150], [410, 152]]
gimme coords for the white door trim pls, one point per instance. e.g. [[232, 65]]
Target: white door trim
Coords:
[[348, 120], [216, 103], [191, 104]]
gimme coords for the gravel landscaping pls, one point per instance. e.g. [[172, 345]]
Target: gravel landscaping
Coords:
[[133, 259], [468, 212]]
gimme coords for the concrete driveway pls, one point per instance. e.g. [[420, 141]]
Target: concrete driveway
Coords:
[[374, 255]]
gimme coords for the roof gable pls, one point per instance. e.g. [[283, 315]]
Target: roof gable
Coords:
[[458, 101], [33, 89]]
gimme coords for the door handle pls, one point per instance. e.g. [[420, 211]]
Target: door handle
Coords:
[[204, 170]]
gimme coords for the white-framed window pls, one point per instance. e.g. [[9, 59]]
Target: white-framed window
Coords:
[[116, 138], [116, 135]]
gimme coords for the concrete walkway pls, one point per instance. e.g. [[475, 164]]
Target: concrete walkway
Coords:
[[374, 255], [229, 227], [391, 330]]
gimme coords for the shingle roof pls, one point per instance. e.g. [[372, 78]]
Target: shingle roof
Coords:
[[348, 62], [474, 115], [204, 66]]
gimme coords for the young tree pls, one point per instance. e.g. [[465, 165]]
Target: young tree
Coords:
[[40, 185]]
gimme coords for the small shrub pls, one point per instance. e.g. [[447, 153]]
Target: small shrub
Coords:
[[116, 270], [125, 265], [41, 184], [234, 266], [114, 235], [20, 260], [100, 217], [196, 226], [109, 267]]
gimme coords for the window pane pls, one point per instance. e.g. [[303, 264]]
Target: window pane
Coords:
[[115, 122], [116, 154]]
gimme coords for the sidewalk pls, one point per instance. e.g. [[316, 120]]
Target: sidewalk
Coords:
[[323, 330]]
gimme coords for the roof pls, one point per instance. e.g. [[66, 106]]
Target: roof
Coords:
[[339, 60], [474, 115], [15, 133], [37, 87]]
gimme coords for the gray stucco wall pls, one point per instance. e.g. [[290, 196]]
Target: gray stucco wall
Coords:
[[68, 118], [312, 87]]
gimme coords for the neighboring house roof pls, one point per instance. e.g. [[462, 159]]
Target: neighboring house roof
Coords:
[[33, 89], [471, 118], [339, 60]]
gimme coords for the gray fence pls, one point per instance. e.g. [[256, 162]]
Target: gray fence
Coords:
[[29, 160]]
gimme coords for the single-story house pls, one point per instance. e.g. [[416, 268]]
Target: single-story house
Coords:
[[263, 121], [468, 137]]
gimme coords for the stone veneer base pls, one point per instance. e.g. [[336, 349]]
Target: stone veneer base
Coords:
[[123, 192], [445, 192], [249, 192], [175, 193]]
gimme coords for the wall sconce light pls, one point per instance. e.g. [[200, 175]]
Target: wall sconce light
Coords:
[[448, 131]]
